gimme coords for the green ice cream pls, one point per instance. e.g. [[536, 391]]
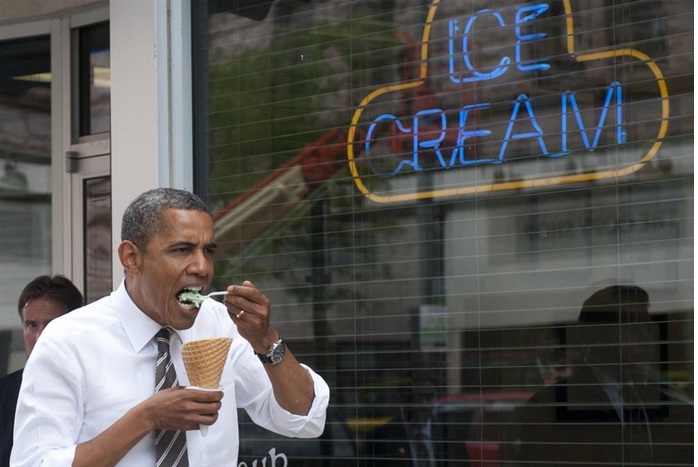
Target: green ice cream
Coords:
[[191, 297]]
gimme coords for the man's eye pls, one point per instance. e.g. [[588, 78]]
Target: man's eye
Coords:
[[210, 250]]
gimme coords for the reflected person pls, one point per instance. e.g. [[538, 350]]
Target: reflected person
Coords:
[[613, 409], [40, 302], [413, 437]]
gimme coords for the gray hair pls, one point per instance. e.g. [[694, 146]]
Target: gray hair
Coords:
[[142, 219]]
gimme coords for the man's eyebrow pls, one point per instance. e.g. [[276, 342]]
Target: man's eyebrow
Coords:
[[183, 244], [186, 244]]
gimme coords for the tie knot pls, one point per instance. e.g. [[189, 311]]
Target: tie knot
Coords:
[[163, 340]]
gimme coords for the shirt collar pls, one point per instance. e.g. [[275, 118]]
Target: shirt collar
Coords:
[[139, 327]]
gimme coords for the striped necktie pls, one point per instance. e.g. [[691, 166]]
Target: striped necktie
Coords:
[[170, 445]]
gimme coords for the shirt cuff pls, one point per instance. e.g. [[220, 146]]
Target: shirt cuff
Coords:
[[311, 425]]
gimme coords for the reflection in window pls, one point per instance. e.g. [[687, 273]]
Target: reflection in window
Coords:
[[25, 169], [97, 221], [464, 298], [95, 70]]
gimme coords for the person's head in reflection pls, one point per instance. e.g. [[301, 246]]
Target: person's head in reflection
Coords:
[[617, 332]]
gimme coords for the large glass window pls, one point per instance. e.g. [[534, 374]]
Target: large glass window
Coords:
[[25, 174], [474, 219]]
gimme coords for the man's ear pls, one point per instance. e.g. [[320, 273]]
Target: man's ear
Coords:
[[130, 256]]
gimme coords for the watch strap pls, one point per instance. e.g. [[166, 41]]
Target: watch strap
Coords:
[[268, 357], [263, 358]]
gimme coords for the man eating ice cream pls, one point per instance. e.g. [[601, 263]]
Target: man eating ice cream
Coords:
[[89, 393]]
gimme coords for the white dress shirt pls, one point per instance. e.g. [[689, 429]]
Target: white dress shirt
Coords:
[[92, 365]]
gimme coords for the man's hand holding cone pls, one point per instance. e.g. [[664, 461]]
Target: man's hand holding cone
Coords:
[[204, 360]]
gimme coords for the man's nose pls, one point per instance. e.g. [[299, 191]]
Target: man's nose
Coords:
[[200, 263]]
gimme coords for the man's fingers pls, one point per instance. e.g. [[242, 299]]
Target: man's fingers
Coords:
[[186, 408], [244, 300], [204, 396]]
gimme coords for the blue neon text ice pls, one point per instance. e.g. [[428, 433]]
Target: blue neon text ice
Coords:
[[423, 135]]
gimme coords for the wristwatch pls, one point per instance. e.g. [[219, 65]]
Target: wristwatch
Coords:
[[276, 353]]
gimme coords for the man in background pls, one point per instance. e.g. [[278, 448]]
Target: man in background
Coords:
[[414, 437], [42, 300], [615, 408]]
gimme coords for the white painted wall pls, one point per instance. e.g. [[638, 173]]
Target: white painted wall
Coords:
[[151, 102]]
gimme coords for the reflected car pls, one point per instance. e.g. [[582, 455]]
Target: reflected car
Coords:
[[477, 424]]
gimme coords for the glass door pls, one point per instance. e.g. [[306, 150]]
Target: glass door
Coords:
[[25, 179]]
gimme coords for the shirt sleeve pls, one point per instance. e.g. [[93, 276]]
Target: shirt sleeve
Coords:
[[255, 394], [48, 408]]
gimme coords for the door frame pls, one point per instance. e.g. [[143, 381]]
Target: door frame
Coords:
[[75, 159]]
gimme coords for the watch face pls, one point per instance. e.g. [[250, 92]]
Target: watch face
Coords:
[[278, 351]]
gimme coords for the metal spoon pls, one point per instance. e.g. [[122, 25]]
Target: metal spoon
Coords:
[[214, 294]]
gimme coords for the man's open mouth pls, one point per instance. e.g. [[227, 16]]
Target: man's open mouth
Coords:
[[191, 296]]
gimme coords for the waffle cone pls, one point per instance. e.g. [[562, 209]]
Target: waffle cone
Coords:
[[204, 360]]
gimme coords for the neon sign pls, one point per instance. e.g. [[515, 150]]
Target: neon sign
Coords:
[[394, 145]]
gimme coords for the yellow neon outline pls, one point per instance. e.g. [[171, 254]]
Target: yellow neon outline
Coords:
[[569, 26]]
